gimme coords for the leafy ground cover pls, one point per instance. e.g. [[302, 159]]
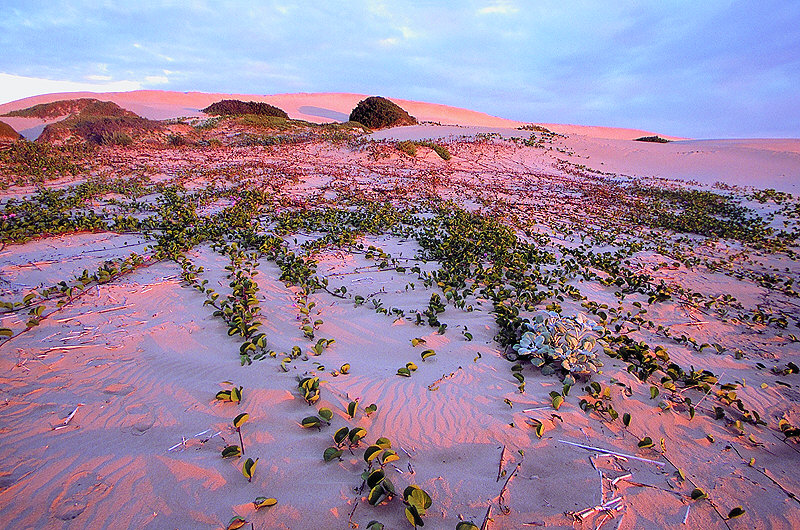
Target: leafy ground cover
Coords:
[[383, 328]]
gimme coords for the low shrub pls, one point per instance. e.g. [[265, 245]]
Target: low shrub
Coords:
[[234, 107], [410, 148], [656, 139], [407, 147], [376, 112]]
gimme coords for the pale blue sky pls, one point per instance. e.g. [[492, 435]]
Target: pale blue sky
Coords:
[[687, 68]]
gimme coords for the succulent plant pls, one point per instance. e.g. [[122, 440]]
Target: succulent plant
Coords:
[[559, 343]]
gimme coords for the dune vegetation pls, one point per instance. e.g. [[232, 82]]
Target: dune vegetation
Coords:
[[288, 325]]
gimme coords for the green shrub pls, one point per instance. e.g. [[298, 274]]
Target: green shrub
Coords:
[[265, 121], [656, 139], [176, 140], [105, 130], [440, 150], [376, 113], [407, 147], [410, 148], [234, 107]]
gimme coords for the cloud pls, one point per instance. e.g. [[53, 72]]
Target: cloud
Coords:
[[14, 87], [156, 79], [499, 7]]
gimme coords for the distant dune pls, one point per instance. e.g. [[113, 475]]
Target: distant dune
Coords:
[[316, 108], [763, 163]]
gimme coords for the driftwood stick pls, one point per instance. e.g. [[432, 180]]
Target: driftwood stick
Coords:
[[487, 517], [615, 453], [500, 466]]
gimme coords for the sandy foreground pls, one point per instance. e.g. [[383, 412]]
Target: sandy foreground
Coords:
[[108, 416]]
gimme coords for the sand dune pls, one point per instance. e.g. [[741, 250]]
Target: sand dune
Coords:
[[108, 416], [315, 107]]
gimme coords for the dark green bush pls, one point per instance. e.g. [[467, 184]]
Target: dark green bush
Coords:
[[376, 113], [234, 107], [656, 139]]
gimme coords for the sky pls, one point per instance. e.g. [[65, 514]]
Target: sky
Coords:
[[710, 69]]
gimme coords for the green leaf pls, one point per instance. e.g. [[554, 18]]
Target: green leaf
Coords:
[[653, 392], [374, 525], [371, 452], [383, 443], [411, 366], [231, 450], [417, 341], [5, 332], [239, 420], [626, 419], [558, 400], [264, 502], [331, 453], [345, 369], [645, 443], [376, 495], [356, 434], [388, 456], [427, 353], [698, 494], [465, 525], [375, 478], [248, 468], [325, 414], [236, 394], [369, 409], [412, 514], [341, 435], [351, 409], [223, 395], [736, 512], [310, 421], [404, 372], [416, 496], [538, 427], [236, 522]]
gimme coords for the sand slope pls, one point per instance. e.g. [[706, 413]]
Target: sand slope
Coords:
[[107, 409]]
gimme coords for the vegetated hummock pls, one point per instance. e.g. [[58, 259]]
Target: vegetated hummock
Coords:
[[234, 107], [294, 325], [654, 139], [7, 132], [68, 107], [377, 112], [91, 120]]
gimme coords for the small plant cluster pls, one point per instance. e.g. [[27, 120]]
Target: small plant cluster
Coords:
[[410, 148], [557, 343], [235, 395], [65, 292], [376, 112], [380, 488], [22, 162], [235, 107], [698, 212]]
